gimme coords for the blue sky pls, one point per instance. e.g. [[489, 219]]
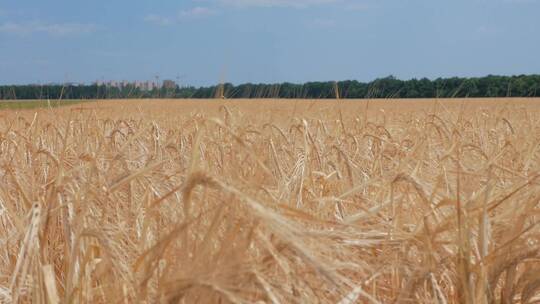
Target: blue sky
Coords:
[[205, 41]]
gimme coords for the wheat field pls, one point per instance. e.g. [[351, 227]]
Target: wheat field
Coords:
[[271, 201]]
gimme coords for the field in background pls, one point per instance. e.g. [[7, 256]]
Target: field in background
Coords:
[[271, 201], [36, 103]]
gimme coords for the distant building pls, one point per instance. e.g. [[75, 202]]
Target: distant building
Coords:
[[169, 84], [145, 85], [141, 85]]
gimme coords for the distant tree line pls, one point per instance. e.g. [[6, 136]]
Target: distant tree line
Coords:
[[388, 87]]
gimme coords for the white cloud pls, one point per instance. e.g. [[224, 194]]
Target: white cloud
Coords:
[[193, 13], [277, 3], [159, 20], [196, 12], [53, 29]]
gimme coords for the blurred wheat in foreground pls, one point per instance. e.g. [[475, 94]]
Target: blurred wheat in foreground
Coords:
[[271, 202]]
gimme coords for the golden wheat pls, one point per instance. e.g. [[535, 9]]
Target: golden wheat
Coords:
[[271, 201]]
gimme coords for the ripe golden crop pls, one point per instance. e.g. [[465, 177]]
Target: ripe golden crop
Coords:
[[271, 201]]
